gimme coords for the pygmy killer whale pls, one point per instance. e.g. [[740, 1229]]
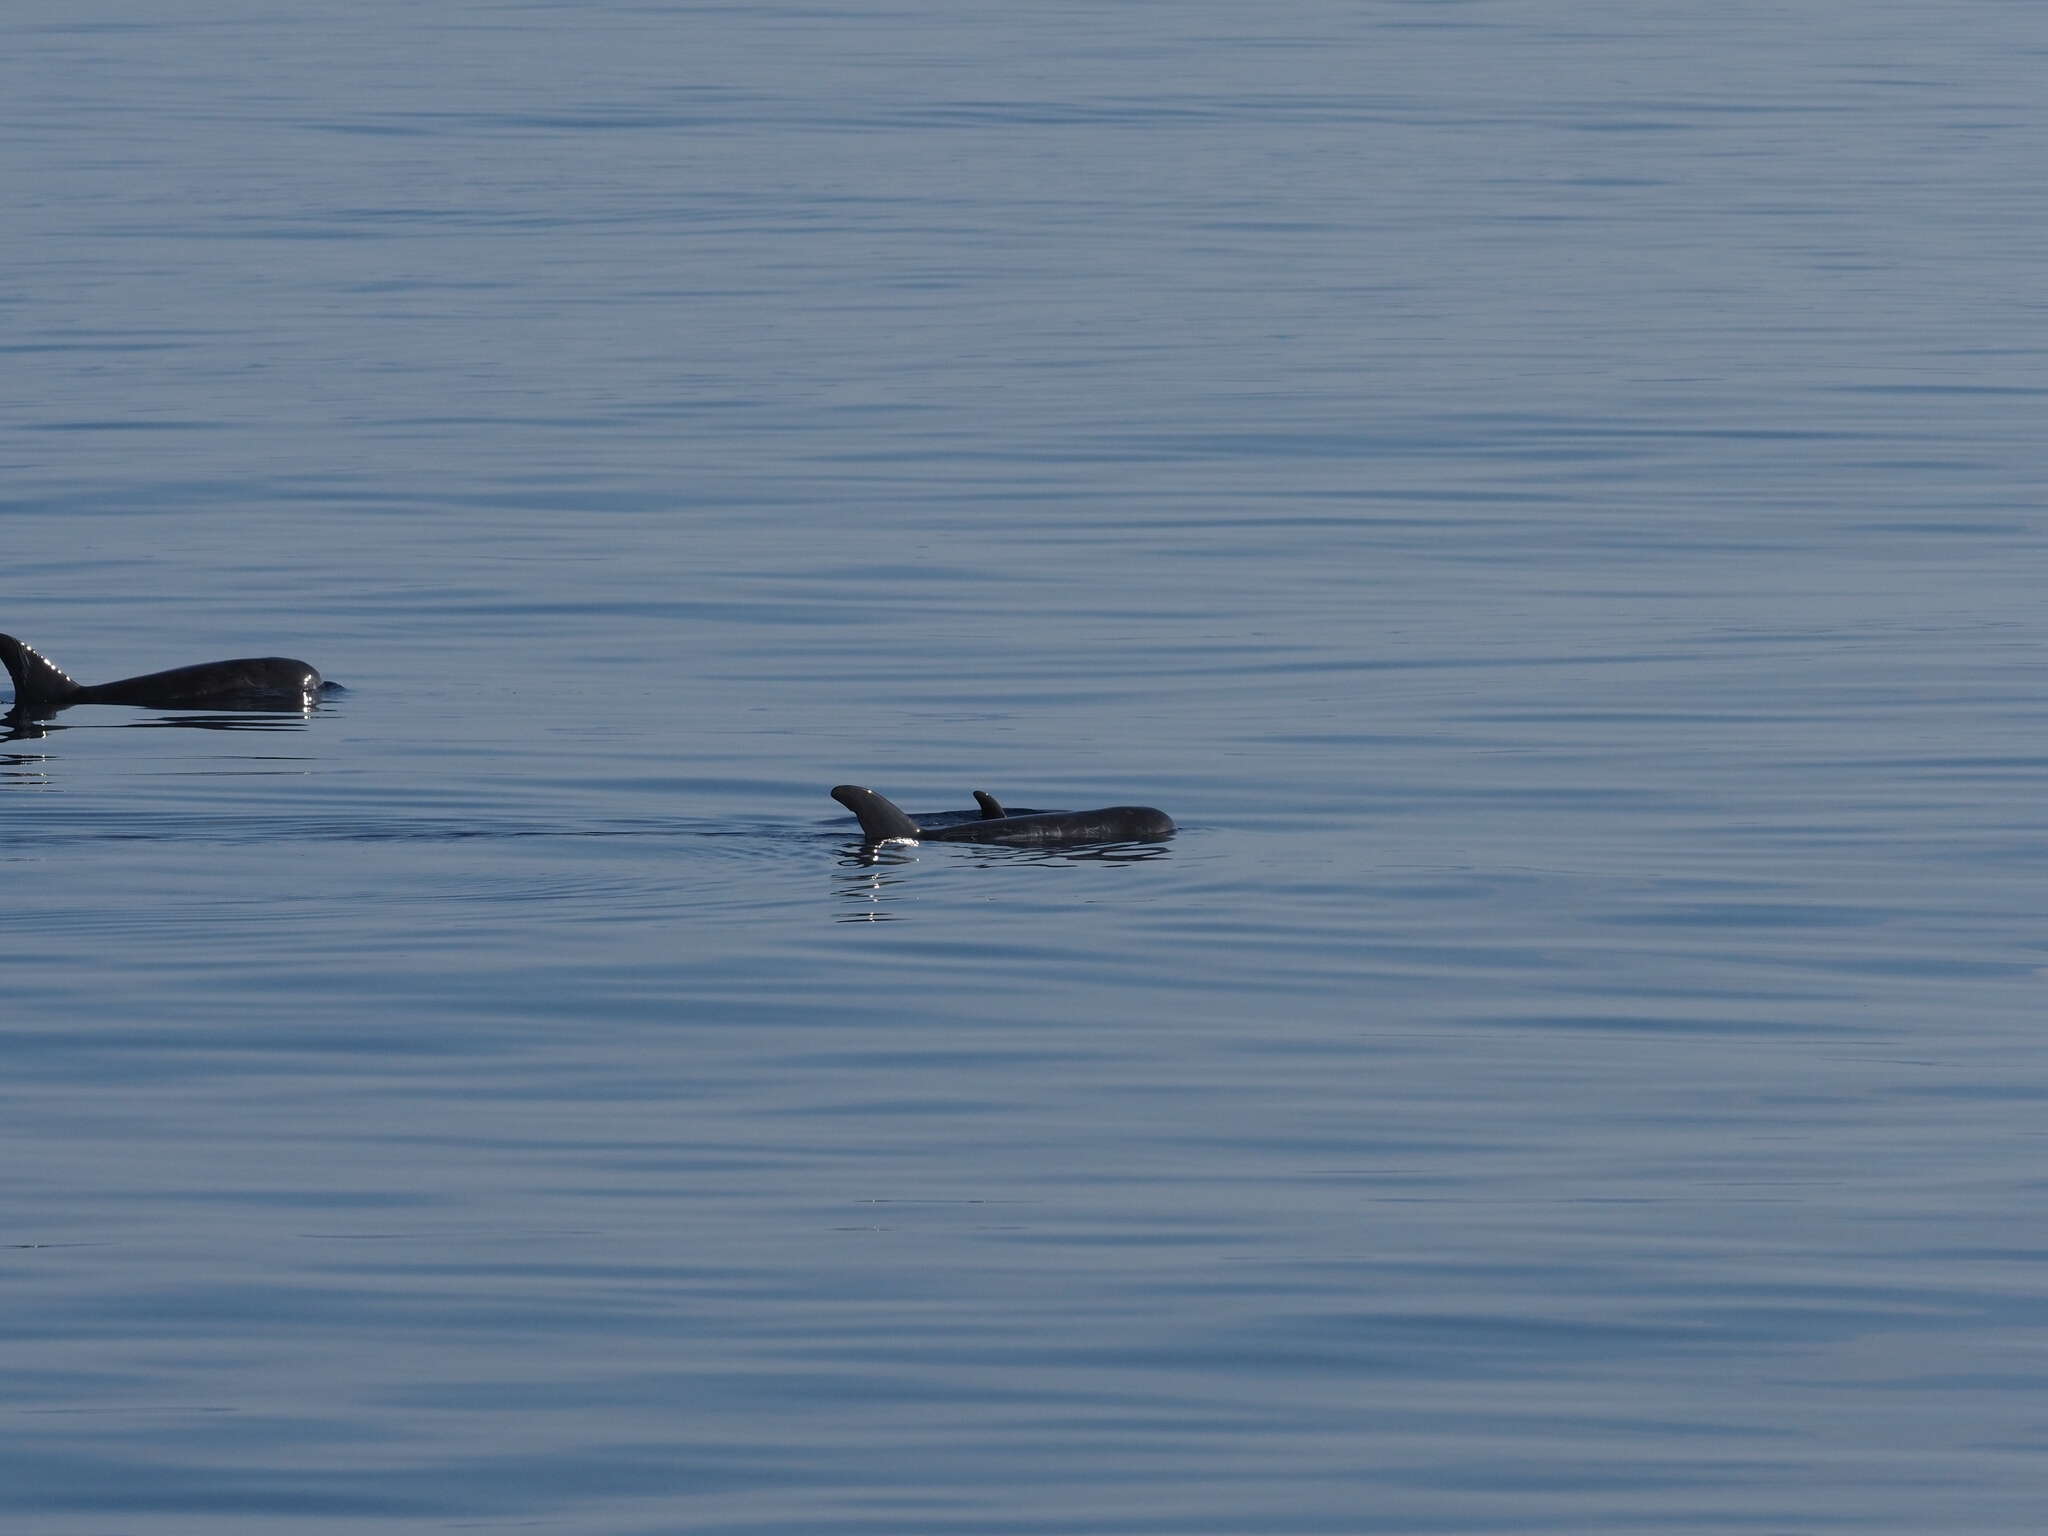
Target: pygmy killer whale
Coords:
[[40, 683], [881, 821]]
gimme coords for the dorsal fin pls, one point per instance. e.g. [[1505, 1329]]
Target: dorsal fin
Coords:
[[37, 679], [880, 820], [991, 807]]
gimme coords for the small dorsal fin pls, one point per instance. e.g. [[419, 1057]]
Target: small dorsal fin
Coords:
[[991, 807]]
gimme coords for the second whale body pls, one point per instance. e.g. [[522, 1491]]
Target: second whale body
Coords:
[[882, 821], [245, 681]]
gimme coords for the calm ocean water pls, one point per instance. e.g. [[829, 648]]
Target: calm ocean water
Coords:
[[1550, 497]]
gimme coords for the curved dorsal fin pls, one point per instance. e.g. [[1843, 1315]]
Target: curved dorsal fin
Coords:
[[36, 677], [880, 820], [991, 807]]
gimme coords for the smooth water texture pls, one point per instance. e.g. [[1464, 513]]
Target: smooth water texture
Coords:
[[1549, 497]]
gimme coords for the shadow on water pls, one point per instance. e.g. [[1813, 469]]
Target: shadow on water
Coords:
[[19, 724]]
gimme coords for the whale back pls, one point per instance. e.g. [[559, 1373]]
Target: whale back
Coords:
[[241, 680], [881, 821], [1111, 824]]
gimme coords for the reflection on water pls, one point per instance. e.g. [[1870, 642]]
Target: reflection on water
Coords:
[[866, 892], [24, 725], [875, 894], [1106, 853], [249, 721], [24, 770]]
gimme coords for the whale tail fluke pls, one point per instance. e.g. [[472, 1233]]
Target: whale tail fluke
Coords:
[[880, 820], [991, 807], [37, 679]]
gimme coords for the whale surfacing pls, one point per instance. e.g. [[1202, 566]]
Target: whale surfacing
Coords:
[[881, 821], [244, 682]]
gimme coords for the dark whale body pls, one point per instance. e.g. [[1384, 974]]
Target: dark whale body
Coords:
[[881, 821], [246, 682]]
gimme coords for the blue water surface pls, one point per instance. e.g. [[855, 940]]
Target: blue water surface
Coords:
[[1550, 498]]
